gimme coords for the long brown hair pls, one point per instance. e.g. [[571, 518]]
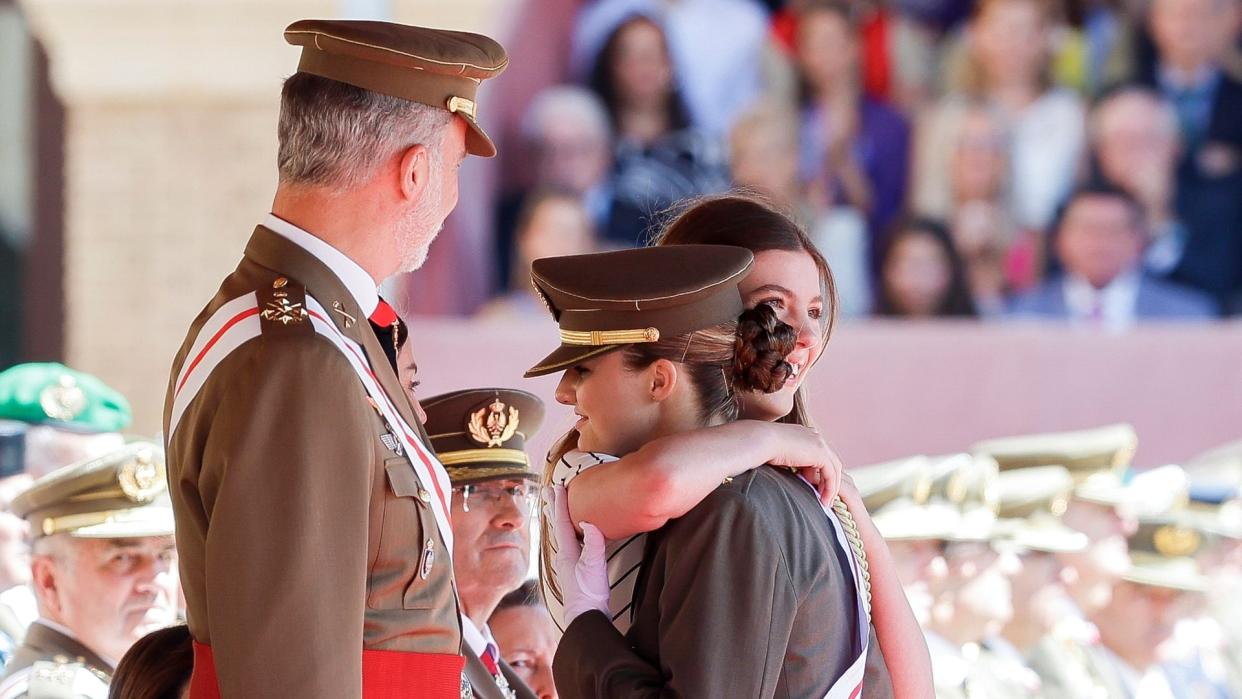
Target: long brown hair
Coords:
[[749, 220]]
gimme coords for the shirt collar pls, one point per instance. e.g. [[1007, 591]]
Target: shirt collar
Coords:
[[360, 284], [476, 639], [1201, 81]]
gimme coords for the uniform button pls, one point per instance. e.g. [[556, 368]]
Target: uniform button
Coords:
[[424, 495], [279, 283]]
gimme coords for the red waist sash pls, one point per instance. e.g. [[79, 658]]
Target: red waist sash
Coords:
[[386, 674]]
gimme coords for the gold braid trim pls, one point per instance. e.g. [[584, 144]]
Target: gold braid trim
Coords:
[[856, 544]]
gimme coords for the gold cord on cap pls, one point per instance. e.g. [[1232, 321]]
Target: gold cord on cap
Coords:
[[598, 338], [461, 104], [514, 456]]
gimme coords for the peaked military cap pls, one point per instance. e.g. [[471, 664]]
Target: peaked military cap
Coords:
[[480, 434], [53, 394], [973, 489], [1031, 503], [1162, 554], [605, 301], [908, 498], [1216, 508], [436, 67], [1096, 458], [121, 494]]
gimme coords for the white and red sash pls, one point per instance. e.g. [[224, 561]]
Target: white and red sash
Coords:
[[237, 322], [849, 684]]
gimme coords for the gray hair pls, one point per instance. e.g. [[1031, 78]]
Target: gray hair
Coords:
[[568, 102], [335, 135]]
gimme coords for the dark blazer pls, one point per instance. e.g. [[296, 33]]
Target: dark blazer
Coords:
[[748, 595], [1209, 197], [1157, 300]]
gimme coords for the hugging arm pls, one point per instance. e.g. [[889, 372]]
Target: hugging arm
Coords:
[[668, 476]]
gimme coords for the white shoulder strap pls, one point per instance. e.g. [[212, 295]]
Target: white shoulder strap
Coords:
[[237, 322]]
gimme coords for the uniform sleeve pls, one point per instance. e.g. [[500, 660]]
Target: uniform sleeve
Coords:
[[289, 460], [726, 612]]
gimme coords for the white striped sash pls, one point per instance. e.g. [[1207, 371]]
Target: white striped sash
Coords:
[[237, 322]]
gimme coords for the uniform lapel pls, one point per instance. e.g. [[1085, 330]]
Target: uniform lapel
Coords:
[[50, 642], [282, 256]]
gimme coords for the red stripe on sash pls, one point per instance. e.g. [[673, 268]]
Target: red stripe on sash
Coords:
[[410, 439], [210, 343]]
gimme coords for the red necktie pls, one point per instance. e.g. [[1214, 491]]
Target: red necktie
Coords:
[[383, 315], [489, 660]]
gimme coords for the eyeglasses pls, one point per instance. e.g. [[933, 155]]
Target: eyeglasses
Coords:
[[492, 496]]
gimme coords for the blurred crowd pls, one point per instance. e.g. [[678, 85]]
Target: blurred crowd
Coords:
[[1078, 160], [1039, 566]]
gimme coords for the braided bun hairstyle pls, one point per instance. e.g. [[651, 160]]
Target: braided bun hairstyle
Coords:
[[761, 346]]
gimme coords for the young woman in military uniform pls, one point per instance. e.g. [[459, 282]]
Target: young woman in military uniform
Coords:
[[792, 278]]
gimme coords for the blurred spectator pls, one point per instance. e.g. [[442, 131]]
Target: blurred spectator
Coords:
[[552, 223], [1191, 38], [978, 232], [1100, 241], [764, 157], [922, 275], [567, 132], [1009, 70], [854, 149], [998, 257], [158, 666], [660, 158], [734, 33], [1136, 146], [527, 637]]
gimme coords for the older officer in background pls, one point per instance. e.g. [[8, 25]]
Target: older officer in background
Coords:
[[313, 519], [480, 436], [104, 568]]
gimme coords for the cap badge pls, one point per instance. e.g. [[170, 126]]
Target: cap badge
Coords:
[[493, 425], [1174, 541], [63, 400], [142, 478]]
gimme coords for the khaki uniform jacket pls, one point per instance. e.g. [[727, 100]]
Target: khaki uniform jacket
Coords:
[[747, 595], [484, 684], [302, 536], [51, 664]]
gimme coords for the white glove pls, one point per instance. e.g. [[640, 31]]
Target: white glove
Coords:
[[581, 568]]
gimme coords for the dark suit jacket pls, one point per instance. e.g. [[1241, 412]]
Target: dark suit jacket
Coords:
[[1209, 197], [747, 595], [485, 686], [1157, 300]]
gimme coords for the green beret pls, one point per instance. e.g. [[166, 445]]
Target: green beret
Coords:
[[53, 394]]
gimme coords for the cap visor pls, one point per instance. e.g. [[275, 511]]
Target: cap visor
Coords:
[[135, 523], [477, 142], [566, 356]]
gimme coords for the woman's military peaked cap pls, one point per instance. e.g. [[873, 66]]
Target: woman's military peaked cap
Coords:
[[604, 301]]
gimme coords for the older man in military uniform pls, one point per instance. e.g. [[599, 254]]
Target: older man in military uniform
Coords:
[[105, 571], [480, 436], [313, 519]]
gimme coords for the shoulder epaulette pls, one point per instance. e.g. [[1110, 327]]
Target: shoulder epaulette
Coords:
[[51, 679], [282, 307]]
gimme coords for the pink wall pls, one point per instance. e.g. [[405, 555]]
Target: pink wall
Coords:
[[885, 390]]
